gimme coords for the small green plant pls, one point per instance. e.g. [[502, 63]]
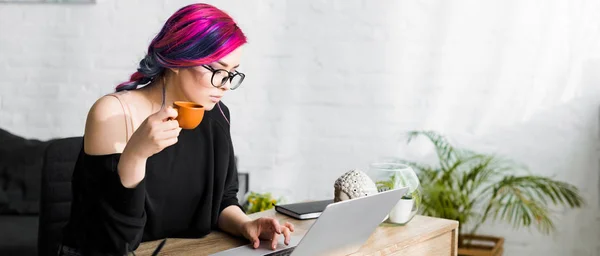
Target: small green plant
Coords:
[[258, 202], [398, 180], [473, 188]]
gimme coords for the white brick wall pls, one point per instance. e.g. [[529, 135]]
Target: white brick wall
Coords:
[[331, 85]]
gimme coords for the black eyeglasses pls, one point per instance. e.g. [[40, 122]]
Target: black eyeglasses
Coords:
[[221, 76]]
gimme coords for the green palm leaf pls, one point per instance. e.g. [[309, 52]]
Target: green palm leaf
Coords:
[[522, 201], [445, 151], [472, 188]]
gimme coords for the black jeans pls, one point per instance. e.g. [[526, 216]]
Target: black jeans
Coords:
[[64, 250]]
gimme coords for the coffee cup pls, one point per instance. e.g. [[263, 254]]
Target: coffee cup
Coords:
[[189, 115]]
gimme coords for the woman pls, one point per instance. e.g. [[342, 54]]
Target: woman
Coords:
[[140, 177]]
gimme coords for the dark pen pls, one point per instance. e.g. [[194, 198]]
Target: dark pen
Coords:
[[160, 246]]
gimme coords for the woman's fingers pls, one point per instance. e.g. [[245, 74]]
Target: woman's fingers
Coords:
[[168, 125], [289, 225], [255, 242], [272, 229], [167, 135], [275, 225], [286, 235], [274, 241]]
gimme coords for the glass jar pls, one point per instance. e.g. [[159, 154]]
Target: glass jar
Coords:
[[390, 173]]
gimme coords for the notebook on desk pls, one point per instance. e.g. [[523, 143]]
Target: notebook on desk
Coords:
[[304, 210]]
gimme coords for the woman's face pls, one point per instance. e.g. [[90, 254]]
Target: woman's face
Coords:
[[195, 83]]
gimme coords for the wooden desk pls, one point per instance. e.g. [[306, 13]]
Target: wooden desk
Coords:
[[421, 236]]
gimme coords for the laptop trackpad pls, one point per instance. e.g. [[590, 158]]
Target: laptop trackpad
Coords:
[[263, 249]]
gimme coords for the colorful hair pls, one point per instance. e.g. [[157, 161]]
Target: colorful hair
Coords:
[[196, 34]]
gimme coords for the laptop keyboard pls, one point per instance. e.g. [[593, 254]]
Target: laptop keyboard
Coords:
[[284, 252]]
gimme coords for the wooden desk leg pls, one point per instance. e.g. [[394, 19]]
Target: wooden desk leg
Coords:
[[455, 242]]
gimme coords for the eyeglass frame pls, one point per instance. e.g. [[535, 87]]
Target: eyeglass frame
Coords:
[[230, 76]]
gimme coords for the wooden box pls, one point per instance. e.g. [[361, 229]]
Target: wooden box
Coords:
[[477, 245]]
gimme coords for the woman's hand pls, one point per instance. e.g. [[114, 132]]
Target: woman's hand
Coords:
[[158, 131], [266, 229]]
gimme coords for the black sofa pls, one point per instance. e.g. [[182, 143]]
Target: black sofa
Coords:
[[21, 162], [31, 168]]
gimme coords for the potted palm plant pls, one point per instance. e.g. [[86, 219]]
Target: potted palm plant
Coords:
[[473, 188]]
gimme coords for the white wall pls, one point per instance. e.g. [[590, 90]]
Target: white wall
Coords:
[[332, 85]]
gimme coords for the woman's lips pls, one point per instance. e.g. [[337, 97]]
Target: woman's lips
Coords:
[[215, 98]]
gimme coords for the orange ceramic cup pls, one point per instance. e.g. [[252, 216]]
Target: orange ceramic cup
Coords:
[[189, 114]]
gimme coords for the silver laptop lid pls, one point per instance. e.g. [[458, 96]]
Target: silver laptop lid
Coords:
[[345, 226]]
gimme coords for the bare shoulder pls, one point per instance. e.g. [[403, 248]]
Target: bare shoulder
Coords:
[[105, 128]]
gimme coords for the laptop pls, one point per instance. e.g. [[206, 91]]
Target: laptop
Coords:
[[341, 229]]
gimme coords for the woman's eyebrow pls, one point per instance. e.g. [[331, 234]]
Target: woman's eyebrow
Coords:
[[225, 64]]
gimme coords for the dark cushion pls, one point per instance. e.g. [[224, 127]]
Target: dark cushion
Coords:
[[18, 235], [55, 205], [20, 170]]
